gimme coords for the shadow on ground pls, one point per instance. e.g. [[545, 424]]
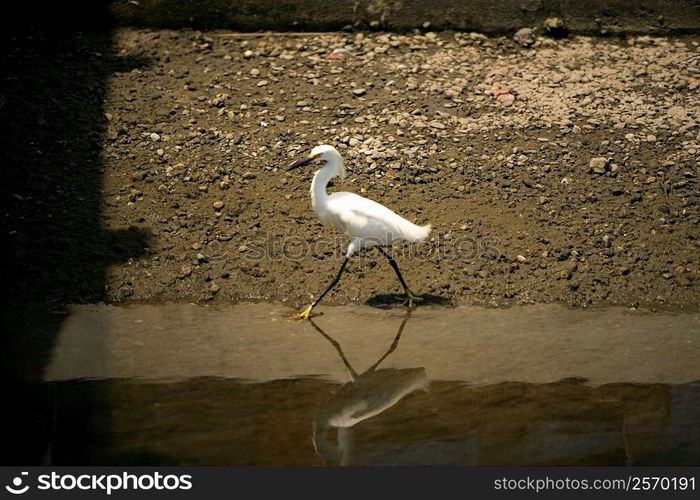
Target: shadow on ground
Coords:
[[391, 300], [55, 62]]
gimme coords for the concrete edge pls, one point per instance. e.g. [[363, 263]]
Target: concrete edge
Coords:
[[597, 17]]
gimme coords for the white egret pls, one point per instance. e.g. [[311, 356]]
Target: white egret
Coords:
[[368, 223]]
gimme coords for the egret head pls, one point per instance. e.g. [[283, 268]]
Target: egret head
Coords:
[[325, 155]]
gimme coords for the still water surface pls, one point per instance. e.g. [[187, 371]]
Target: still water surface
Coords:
[[242, 384]]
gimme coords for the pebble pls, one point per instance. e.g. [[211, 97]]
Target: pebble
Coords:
[[359, 92], [154, 137], [248, 175], [218, 204], [497, 90], [506, 98], [521, 258], [185, 271], [214, 288], [554, 27], [525, 37], [341, 51], [598, 165]]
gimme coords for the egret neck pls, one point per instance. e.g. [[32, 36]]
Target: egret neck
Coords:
[[319, 196]]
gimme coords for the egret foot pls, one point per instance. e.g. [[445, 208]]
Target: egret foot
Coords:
[[305, 314], [411, 298]]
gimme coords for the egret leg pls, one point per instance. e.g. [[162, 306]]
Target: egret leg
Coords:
[[410, 296], [308, 312]]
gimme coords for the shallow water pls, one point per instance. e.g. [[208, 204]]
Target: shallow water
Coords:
[[242, 384]]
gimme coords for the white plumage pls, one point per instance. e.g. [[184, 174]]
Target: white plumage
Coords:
[[365, 221]]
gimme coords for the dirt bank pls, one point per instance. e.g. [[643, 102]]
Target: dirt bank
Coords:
[[563, 172]]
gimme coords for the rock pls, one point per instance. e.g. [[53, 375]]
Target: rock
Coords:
[[201, 258], [214, 288], [185, 271], [342, 52], [554, 27], [598, 165], [521, 258], [248, 175], [506, 98], [607, 241], [359, 92], [525, 37], [497, 90], [218, 204], [154, 137]]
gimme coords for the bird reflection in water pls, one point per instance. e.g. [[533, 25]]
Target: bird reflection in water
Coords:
[[366, 395]]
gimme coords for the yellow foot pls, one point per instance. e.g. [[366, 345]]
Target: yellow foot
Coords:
[[411, 298], [305, 314]]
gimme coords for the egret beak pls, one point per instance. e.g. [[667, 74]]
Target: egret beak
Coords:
[[301, 163]]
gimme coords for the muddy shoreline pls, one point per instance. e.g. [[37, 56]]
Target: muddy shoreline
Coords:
[[565, 172]]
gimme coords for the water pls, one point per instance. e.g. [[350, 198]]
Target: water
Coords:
[[241, 384]]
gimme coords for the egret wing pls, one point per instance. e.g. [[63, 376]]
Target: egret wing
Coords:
[[364, 218]]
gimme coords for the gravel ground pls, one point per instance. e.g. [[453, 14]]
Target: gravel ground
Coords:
[[566, 171]]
